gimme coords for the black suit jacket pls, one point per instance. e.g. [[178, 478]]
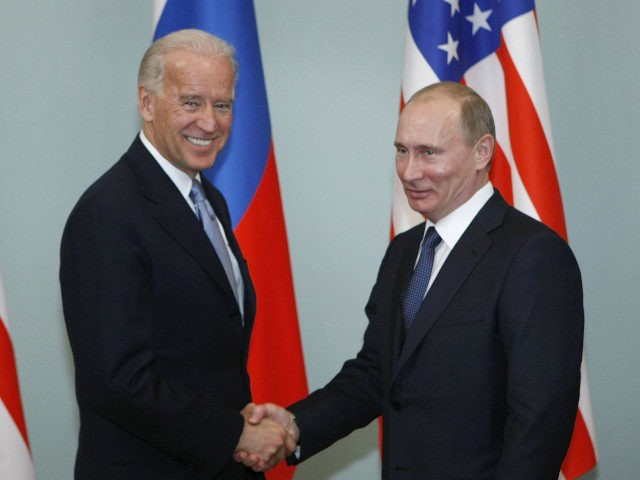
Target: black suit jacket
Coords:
[[156, 333], [487, 382]]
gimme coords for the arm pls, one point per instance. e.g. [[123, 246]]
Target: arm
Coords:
[[112, 316], [541, 324], [352, 399]]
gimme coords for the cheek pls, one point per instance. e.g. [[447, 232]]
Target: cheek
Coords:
[[225, 123], [438, 173]]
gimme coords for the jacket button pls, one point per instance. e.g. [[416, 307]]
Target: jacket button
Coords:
[[396, 406]]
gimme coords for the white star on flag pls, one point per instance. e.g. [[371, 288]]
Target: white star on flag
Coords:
[[479, 19], [455, 6], [451, 47]]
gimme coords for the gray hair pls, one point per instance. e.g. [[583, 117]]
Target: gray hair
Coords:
[[152, 66]]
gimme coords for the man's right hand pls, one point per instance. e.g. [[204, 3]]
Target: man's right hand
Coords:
[[270, 435]]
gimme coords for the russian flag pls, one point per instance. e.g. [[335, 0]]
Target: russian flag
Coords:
[[246, 173]]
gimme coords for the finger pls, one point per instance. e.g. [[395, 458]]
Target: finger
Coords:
[[257, 414], [253, 460], [290, 445], [248, 408], [240, 456], [255, 463]]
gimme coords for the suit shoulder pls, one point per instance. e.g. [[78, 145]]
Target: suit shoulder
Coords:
[[520, 223], [524, 233], [116, 179], [109, 193]]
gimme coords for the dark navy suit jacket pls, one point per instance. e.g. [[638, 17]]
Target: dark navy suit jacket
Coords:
[[157, 338], [486, 385]]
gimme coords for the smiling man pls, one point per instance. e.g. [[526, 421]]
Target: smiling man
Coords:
[[473, 348], [157, 297]]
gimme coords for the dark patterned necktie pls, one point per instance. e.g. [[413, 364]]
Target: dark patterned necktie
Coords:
[[414, 294]]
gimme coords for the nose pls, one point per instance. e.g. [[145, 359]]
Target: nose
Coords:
[[208, 120], [409, 169]]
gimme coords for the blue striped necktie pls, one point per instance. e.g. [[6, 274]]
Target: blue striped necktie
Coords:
[[414, 294]]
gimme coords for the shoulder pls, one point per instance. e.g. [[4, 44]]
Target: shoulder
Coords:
[[109, 201], [108, 190], [522, 227], [505, 223], [534, 243]]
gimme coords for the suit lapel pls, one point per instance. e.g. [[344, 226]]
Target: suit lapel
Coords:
[[461, 261], [405, 270], [173, 213]]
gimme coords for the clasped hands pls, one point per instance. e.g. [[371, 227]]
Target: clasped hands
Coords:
[[270, 435]]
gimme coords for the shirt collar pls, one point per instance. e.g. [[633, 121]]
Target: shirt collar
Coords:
[[181, 180], [451, 227]]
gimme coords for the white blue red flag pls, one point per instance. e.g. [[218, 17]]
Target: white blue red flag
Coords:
[[15, 455], [245, 172], [493, 46]]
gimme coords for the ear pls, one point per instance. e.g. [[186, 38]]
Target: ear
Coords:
[[484, 151], [145, 103]]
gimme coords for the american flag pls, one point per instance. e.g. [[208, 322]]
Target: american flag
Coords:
[[246, 173], [15, 456], [493, 46]]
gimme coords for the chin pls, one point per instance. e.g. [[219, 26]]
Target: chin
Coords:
[[419, 207]]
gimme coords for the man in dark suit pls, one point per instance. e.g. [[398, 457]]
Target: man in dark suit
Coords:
[[480, 378], [159, 316]]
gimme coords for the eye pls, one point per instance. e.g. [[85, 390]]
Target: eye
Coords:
[[191, 104], [223, 107], [427, 152]]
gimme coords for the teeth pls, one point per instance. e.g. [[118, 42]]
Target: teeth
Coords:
[[199, 142]]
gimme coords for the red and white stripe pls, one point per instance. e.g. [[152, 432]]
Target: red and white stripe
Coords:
[[511, 80], [15, 456]]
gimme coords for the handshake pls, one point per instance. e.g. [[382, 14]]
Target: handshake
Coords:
[[270, 435]]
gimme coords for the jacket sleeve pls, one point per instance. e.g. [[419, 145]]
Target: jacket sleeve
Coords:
[[541, 323], [354, 397]]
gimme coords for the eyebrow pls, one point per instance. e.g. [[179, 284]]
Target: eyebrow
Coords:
[[422, 146], [190, 97]]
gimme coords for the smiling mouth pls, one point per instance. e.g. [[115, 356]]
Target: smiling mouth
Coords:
[[200, 142], [416, 192]]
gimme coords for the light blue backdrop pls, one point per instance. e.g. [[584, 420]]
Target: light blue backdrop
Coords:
[[68, 110]]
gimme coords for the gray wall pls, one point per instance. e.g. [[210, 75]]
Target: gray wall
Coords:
[[67, 111]]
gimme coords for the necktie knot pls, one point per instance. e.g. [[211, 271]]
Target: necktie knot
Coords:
[[431, 238], [197, 196]]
